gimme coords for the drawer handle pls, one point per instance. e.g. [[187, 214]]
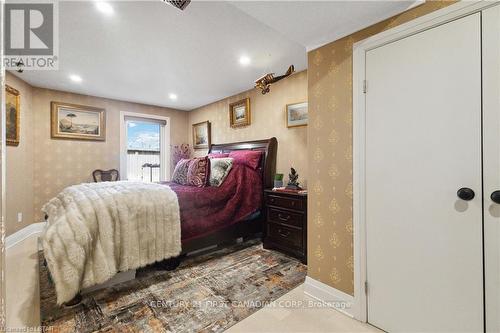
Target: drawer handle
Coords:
[[272, 200], [283, 218], [293, 203], [282, 234]]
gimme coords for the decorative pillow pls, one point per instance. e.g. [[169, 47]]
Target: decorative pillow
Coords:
[[218, 155], [198, 171], [247, 157], [219, 169], [181, 172]]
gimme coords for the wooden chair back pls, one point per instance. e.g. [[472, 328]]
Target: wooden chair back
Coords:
[[106, 175]]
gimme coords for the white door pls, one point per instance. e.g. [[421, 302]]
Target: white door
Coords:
[[491, 153], [423, 143]]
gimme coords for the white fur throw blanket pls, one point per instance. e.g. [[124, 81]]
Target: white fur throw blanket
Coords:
[[98, 229]]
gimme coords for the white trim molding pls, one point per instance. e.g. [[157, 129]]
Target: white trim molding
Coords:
[[33, 229], [436, 18], [332, 297]]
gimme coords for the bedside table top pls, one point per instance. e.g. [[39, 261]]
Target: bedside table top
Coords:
[[270, 191]]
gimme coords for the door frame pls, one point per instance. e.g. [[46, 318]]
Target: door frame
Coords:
[[3, 150], [164, 146], [490, 19], [360, 48]]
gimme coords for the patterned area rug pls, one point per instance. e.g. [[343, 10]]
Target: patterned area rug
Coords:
[[207, 293]]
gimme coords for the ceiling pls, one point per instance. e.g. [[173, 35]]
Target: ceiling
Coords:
[[147, 50], [321, 22]]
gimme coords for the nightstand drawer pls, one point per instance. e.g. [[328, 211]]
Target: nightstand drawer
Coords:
[[285, 235], [285, 202], [284, 216]]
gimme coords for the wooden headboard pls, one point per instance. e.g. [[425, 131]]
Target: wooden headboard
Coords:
[[268, 162]]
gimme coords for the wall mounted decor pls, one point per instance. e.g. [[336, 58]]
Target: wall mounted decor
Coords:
[[239, 113], [201, 135], [12, 115], [296, 114], [264, 83], [78, 122]]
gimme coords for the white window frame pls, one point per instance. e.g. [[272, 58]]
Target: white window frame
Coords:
[[164, 146]]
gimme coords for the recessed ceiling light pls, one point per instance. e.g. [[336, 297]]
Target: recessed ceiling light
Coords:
[[75, 78], [172, 96], [104, 7], [244, 60]]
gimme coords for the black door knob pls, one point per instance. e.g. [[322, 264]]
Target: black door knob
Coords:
[[495, 197], [465, 193]]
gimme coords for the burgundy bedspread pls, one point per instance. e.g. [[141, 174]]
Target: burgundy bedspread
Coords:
[[208, 209]]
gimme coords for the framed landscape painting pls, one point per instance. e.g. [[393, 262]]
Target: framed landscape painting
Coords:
[[239, 113], [201, 135], [296, 114], [78, 122], [12, 115]]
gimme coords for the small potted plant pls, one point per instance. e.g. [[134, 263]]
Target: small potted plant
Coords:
[[278, 180]]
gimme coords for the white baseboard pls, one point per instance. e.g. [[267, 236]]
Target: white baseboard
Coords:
[[332, 297], [26, 232]]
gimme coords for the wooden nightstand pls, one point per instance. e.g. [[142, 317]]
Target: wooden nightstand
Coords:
[[286, 223]]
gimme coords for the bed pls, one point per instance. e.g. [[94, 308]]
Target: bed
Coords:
[[246, 214], [208, 216], [242, 191]]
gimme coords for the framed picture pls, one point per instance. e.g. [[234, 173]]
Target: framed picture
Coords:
[[239, 113], [12, 115], [201, 135], [296, 114], [78, 122]]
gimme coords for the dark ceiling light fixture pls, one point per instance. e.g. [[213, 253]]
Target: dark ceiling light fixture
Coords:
[[180, 4], [264, 83]]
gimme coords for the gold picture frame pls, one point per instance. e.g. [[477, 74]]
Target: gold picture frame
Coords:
[[202, 136], [12, 116], [239, 113], [77, 122], [297, 114]]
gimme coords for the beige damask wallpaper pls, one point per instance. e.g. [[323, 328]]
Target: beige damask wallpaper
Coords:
[[330, 238], [268, 120], [44, 166], [19, 164]]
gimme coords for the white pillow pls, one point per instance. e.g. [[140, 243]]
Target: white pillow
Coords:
[[219, 169]]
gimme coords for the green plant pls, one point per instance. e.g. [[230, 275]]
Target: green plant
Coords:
[[278, 176]]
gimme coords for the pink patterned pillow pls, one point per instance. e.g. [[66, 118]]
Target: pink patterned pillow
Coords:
[[247, 157], [198, 172], [181, 171], [218, 155]]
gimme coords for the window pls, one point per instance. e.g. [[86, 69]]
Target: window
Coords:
[[143, 151], [145, 147]]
